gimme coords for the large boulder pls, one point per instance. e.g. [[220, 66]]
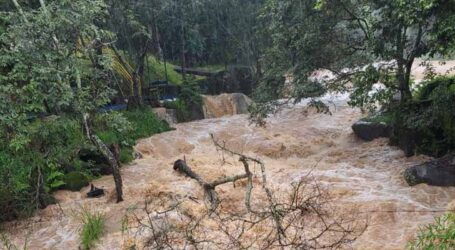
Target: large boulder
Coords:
[[369, 130], [440, 172]]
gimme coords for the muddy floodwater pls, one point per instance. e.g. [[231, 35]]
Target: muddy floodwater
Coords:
[[365, 175]]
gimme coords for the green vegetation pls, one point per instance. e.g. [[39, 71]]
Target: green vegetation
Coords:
[[156, 70], [60, 166], [92, 228], [124, 128], [439, 235], [188, 104], [427, 123], [74, 181], [337, 35]]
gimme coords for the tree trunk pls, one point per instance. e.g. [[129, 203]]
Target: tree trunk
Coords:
[[139, 76], [114, 164], [182, 40], [402, 63], [113, 161]]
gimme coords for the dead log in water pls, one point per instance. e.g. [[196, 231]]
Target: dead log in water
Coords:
[[209, 187]]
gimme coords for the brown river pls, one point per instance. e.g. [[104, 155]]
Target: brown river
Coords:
[[364, 175]]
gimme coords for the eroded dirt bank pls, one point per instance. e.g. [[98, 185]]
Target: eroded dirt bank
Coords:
[[365, 175]]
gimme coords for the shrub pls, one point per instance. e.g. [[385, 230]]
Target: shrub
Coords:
[[126, 155], [428, 122], [189, 103], [439, 235], [74, 181], [38, 151], [92, 229]]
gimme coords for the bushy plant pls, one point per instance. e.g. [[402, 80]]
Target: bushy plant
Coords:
[[188, 104], [430, 117], [439, 235]]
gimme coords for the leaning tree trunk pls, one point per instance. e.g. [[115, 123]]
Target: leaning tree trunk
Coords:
[[114, 164], [102, 148]]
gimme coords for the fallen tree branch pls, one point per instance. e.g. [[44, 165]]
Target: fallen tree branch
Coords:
[[182, 167], [209, 187], [244, 159]]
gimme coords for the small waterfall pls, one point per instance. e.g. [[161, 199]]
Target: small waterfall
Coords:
[[225, 105]]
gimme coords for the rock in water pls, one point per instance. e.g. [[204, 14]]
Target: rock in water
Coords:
[[440, 172], [369, 131], [95, 192]]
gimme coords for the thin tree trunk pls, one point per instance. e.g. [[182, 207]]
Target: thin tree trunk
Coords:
[[102, 147], [19, 8], [114, 164], [182, 40]]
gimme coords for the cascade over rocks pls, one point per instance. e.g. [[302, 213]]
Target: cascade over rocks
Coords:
[[439, 172], [369, 130], [225, 105]]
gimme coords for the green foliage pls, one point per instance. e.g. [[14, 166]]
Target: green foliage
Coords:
[[426, 90], [74, 181], [367, 93], [92, 229], [383, 117], [188, 104], [439, 235], [145, 123], [362, 43], [126, 155], [156, 70], [49, 146], [124, 128], [430, 117]]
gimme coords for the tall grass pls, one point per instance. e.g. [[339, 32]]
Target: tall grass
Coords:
[[92, 229]]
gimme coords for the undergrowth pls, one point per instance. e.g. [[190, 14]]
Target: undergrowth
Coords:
[[438, 235]]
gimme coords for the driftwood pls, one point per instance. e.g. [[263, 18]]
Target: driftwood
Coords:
[[272, 204], [209, 187]]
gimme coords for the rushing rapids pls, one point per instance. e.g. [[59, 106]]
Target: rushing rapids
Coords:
[[363, 176]]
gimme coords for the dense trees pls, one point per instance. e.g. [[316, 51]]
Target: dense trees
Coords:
[[360, 42]]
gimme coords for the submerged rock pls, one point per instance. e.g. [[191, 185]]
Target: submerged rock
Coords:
[[439, 172], [369, 131], [95, 192]]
